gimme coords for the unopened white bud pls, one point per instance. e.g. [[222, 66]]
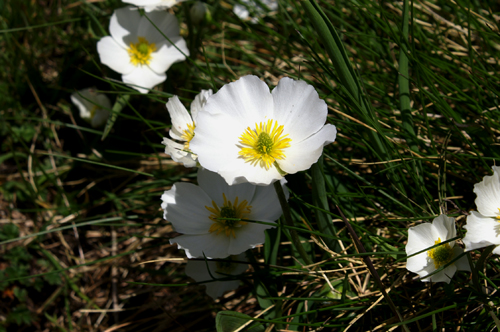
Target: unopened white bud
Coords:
[[199, 12]]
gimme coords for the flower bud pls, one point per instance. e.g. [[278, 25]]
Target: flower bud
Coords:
[[200, 12]]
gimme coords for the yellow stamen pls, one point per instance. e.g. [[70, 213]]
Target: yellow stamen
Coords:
[[228, 210], [264, 144], [188, 135], [441, 255], [140, 52], [498, 217]]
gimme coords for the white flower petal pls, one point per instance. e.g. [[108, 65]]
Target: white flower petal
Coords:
[[100, 118], [462, 264], [444, 227], [185, 209], [199, 102], [426, 270], [184, 206], [142, 78], [301, 155], [178, 154], [426, 235], [496, 251], [444, 275], [210, 245], [488, 194], [94, 107], [165, 23], [216, 142], [199, 271], [166, 56], [114, 56], [417, 263], [420, 237], [258, 8], [243, 105], [247, 101], [238, 171], [151, 5], [481, 231], [82, 100], [179, 116], [298, 108], [265, 204], [253, 235], [211, 183], [123, 26], [215, 289], [128, 27]]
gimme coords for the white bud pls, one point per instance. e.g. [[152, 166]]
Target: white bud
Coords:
[[199, 12]]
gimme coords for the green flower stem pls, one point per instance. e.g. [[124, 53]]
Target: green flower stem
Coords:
[[289, 222]]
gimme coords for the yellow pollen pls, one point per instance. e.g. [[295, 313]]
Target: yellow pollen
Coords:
[[441, 255], [140, 52], [228, 210], [498, 217], [188, 135], [264, 145]]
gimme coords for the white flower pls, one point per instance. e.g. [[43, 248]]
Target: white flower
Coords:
[[231, 266], [150, 5], [248, 134], [483, 226], [94, 107], [427, 235], [183, 126], [258, 8], [138, 51], [195, 211]]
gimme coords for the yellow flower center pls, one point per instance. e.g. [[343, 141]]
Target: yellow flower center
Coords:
[[498, 217], [264, 144], [140, 52], [228, 210], [188, 135], [441, 255]]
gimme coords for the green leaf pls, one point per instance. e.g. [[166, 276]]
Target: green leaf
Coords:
[[53, 278], [229, 321], [9, 231], [271, 245], [320, 200], [20, 315], [262, 293], [21, 294], [120, 102]]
